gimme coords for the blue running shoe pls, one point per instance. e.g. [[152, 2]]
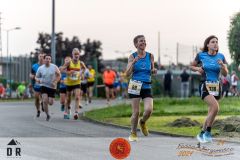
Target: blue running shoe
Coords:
[[200, 137], [66, 116], [207, 136]]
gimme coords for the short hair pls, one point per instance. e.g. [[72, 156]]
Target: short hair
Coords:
[[135, 39], [47, 55], [75, 50]]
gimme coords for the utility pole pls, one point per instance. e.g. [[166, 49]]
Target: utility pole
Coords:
[[177, 53], [159, 62], [53, 44], [1, 38]]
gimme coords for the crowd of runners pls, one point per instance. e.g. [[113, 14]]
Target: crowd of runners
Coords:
[[77, 81]]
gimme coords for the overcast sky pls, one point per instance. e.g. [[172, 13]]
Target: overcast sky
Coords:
[[116, 22]]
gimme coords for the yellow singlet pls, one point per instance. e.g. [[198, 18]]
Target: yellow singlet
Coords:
[[73, 79]]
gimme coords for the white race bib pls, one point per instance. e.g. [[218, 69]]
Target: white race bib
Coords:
[[213, 88], [134, 87], [75, 75]]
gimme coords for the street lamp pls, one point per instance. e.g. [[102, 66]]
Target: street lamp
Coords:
[[169, 59], [8, 30]]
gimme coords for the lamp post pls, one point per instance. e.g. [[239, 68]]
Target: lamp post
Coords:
[[53, 43], [8, 30]]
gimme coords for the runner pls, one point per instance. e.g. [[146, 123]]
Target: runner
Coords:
[[140, 66], [85, 75], [36, 86], [108, 79], [73, 82], [124, 84], [209, 63], [62, 87], [90, 82], [21, 90], [117, 85], [48, 76]]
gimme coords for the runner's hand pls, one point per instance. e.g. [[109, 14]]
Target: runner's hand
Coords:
[[154, 71], [136, 59], [220, 62], [200, 70]]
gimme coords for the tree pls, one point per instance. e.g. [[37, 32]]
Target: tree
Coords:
[[64, 47], [234, 38], [92, 50]]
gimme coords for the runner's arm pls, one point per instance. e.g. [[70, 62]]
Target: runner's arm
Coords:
[[130, 64], [38, 76], [153, 69], [58, 75], [195, 68]]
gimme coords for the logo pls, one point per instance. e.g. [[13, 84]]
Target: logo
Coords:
[[13, 149], [120, 148], [213, 151]]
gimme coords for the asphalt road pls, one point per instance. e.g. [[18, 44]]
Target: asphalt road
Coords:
[[69, 139]]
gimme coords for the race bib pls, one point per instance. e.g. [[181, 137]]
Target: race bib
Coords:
[[213, 88], [134, 87], [75, 75]]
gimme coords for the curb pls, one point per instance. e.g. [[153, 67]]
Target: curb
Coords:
[[83, 117]]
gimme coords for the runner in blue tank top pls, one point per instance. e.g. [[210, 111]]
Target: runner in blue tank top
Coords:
[[63, 87], [140, 66], [35, 85], [210, 63]]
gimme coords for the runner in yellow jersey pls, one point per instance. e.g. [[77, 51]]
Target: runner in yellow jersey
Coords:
[[90, 83], [72, 82]]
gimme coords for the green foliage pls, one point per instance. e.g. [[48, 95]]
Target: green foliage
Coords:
[[156, 86], [3, 80], [64, 46], [170, 106], [234, 38]]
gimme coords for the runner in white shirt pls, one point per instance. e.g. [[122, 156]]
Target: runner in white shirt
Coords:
[[48, 76]]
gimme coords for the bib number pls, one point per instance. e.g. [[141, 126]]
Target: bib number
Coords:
[[213, 88], [134, 87], [75, 76]]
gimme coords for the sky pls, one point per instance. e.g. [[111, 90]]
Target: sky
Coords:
[[116, 22]]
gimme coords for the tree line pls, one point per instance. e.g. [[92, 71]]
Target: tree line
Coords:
[[90, 50]]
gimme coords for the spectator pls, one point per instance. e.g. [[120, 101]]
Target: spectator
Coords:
[[225, 85], [2, 91], [234, 82], [185, 77], [21, 90], [168, 83]]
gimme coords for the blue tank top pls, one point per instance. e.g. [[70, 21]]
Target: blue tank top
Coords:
[[34, 71], [63, 76], [210, 65], [142, 70]]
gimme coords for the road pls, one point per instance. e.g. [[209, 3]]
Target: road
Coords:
[[69, 139]]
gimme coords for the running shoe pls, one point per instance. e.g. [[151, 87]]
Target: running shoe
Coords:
[[48, 118], [207, 136], [62, 107], [143, 128], [66, 116], [75, 115], [38, 113], [133, 137], [200, 137]]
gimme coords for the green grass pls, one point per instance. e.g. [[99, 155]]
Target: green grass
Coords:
[[167, 106], [160, 124], [167, 110]]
